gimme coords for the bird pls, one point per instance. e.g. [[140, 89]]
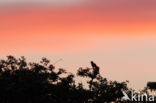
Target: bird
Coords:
[[93, 64], [95, 68]]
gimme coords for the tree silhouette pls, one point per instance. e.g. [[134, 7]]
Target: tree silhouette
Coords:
[[101, 89], [23, 82], [151, 85]]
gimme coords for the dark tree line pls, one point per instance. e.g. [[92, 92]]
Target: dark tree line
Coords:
[[23, 82]]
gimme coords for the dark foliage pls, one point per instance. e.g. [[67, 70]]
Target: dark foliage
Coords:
[[23, 82], [151, 85]]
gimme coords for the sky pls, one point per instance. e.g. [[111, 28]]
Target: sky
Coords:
[[119, 35]]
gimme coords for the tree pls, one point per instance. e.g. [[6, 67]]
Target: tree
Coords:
[[23, 82], [102, 90]]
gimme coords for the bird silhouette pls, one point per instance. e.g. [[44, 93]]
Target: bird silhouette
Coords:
[[93, 64]]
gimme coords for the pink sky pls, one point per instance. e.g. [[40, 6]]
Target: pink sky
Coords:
[[119, 35]]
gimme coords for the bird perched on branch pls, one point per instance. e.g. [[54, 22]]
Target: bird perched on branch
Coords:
[[95, 68], [93, 64]]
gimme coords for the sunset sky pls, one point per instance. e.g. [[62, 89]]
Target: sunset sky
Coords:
[[119, 35]]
